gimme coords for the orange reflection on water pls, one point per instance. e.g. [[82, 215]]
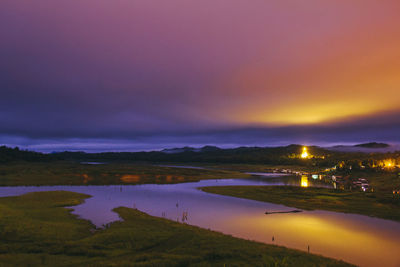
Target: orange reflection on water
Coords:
[[327, 233], [304, 181]]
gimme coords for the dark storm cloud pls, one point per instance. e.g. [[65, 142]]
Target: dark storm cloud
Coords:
[[383, 127]]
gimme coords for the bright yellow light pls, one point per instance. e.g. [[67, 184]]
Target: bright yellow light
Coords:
[[304, 155], [388, 163], [304, 181]]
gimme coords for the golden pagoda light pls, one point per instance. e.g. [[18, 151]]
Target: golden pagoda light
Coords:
[[304, 155]]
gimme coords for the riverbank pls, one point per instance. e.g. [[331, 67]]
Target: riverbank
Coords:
[[75, 173], [365, 203], [37, 229]]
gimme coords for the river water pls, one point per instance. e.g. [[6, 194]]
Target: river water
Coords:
[[357, 239]]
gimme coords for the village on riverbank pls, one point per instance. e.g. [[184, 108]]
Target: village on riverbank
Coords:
[[341, 176]]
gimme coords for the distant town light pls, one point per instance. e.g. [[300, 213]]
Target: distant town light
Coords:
[[389, 163]]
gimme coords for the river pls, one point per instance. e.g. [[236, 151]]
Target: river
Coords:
[[357, 239]]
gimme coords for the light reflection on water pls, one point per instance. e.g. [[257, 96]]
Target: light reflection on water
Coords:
[[354, 238]]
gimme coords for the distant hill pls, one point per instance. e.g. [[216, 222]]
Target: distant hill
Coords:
[[209, 148], [190, 149], [209, 154], [206, 154], [8, 154], [373, 145], [285, 155], [180, 150]]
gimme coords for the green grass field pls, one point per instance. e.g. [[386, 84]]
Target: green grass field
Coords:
[[37, 230], [367, 203], [72, 173], [381, 181]]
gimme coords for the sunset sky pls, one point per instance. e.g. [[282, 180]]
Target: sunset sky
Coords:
[[132, 75]]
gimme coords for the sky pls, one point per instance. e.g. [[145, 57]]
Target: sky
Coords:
[[127, 75]]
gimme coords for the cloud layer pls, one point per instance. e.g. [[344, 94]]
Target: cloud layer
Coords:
[[223, 72]]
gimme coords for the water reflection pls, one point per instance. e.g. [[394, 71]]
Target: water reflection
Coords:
[[357, 239], [304, 181], [183, 167], [293, 180], [130, 178]]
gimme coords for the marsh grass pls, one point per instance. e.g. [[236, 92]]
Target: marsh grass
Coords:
[[37, 230], [374, 204], [73, 173]]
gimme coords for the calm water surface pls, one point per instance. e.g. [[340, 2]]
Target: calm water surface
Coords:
[[356, 239]]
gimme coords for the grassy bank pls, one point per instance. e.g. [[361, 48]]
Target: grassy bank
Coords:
[[262, 167], [367, 203], [72, 173], [37, 230], [381, 181]]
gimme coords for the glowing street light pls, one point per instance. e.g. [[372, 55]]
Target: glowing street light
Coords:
[[389, 163]]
